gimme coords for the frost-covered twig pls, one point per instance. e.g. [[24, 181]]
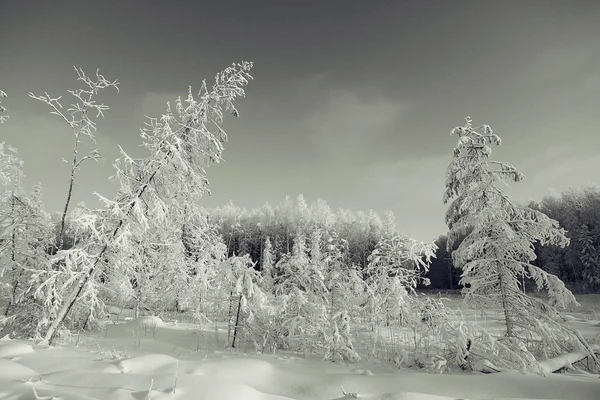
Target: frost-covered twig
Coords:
[[3, 118], [349, 395]]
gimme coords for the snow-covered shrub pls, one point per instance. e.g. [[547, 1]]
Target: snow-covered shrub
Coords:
[[25, 237], [337, 341]]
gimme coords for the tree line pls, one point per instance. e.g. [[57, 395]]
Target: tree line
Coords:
[[577, 210]]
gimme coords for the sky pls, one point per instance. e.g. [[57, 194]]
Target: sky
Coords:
[[351, 102]]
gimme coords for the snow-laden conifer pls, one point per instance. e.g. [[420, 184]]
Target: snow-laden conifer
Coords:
[[268, 266], [496, 255], [297, 271]]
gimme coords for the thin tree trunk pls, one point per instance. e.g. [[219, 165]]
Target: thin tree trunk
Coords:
[[230, 315], [504, 298], [13, 237], [138, 301], [74, 295], [237, 321], [69, 192]]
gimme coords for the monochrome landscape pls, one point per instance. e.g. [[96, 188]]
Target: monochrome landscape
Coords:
[[151, 286]]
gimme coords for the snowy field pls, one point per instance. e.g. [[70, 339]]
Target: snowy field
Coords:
[[151, 359]]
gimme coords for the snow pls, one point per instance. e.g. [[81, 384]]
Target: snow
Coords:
[[164, 364]]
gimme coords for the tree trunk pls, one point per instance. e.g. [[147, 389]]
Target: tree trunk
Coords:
[[70, 191], [74, 295], [505, 302], [138, 302], [13, 238], [67, 305], [230, 315], [237, 321]]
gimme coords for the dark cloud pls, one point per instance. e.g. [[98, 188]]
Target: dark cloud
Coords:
[[352, 100]]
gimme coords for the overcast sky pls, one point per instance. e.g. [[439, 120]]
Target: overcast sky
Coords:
[[352, 101]]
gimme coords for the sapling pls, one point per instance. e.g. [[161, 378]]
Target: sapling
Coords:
[[81, 124]]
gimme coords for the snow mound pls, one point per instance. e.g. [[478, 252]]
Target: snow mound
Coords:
[[245, 370], [397, 396], [367, 372], [50, 394], [146, 322], [148, 364], [213, 389], [13, 370], [10, 349]]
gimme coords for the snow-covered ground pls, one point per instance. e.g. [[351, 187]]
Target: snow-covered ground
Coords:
[[151, 359]]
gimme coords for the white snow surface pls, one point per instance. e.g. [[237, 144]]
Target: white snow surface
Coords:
[[175, 361]]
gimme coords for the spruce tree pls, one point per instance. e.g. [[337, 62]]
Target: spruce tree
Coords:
[[496, 255]]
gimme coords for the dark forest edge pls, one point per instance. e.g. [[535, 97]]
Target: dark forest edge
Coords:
[[577, 210]]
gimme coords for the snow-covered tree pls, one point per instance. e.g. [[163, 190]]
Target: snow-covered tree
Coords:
[[154, 190], [24, 238], [247, 294], [395, 268], [337, 343], [344, 285], [496, 255], [268, 266], [27, 236], [297, 271], [79, 121]]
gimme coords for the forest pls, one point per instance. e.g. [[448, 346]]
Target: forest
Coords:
[[295, 277], [577, 210]]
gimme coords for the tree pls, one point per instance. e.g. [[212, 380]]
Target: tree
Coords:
[[395, 268], [81, 124], [181, 145], [250, 298], [268, 265], [496, 255], [24, 238], [27, 236], [297, 271]]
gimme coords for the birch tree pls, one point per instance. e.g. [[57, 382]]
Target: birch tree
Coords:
[[82, 126]]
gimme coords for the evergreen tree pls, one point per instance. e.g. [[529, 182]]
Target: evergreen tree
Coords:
[[268, 266], [496, 255]]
